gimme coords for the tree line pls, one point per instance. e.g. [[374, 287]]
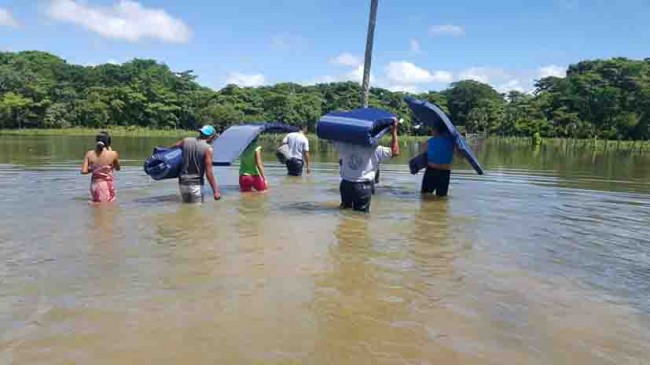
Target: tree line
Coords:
[[598, 98]]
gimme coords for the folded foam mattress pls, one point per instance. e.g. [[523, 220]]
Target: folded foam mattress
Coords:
[[363, 126], [234, 140]]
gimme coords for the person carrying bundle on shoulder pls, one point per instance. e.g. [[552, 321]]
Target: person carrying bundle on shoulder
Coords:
[[440, 153], [298, 152], [358, 168], [197, 163]]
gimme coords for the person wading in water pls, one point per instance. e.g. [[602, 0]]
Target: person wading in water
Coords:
[[440, 153], [358, 169], [101, 162], [197, 163], [298, 145], [251, 169]]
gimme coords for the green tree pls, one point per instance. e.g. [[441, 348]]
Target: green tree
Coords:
[[13, 108], [463, 96]]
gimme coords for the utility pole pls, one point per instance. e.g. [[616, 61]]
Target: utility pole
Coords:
[[368, 59]]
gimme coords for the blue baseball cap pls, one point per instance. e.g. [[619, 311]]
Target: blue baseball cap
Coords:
[[208, 130]]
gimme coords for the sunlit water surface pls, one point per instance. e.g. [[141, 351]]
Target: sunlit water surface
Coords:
[[546, 259]]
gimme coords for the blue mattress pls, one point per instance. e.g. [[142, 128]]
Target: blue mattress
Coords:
[[231, 143], [418, 163], [364, 126], [165, 163], [431, 115]]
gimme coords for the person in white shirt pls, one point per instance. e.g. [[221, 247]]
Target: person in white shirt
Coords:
[[358, 168], [298, 146]]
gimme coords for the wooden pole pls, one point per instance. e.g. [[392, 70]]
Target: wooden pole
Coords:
[[368, 59]]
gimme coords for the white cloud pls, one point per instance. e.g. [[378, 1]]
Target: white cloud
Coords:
[[486, 75], [522, 80], [246, 80], [347, 59], [7, 19], [404, 88], [406, 73], [513, 85], [552, 70], [127, 20], [110, 61], [447, 29], [355, 75], [415, 45], [406, 76]]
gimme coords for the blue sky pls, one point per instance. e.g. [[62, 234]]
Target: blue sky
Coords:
[[419, 45]]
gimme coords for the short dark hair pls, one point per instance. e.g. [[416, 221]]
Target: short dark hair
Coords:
[[439, 127], [304, 127]]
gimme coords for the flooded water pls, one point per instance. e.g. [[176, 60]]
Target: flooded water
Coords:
[[546, 259]]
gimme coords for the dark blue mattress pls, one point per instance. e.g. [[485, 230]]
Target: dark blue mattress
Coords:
[[431, 115], [165, 163], [418, 163], [364, 126]]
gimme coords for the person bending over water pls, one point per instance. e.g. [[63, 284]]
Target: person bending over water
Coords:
[[358, 169], [101, 162], [197, 163], [251, 169], [440, 153]]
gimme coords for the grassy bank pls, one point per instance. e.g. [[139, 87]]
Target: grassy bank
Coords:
[[114, 131], [580, 144]]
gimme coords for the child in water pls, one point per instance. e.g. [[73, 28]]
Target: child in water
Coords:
[[440, 152], [101, 162], [251, 169]]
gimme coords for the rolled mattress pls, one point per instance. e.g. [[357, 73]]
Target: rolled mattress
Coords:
[[165, 163], [364, 126], [418, 163]]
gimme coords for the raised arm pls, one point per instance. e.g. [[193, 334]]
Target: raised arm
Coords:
[[210, 174]]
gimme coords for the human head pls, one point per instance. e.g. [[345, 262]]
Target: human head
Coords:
[[208, 133], [102, 140], [437, 129], [304, 128]]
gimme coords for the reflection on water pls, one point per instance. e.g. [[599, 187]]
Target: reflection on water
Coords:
[[543, 260]]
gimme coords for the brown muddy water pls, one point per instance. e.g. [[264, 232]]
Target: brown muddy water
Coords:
[[544, 260]]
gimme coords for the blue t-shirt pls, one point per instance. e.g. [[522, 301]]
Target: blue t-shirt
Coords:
[[440, 150]]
